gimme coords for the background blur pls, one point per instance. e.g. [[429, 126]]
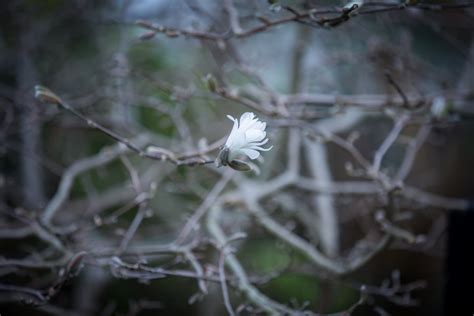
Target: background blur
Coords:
[[369, 109]]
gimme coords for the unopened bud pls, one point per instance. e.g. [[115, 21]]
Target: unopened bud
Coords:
[[211, 82], [45, 95], [144, 24], [239, 165], [147, 35]]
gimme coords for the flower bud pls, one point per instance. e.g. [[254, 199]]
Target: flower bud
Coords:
[[45, 95]]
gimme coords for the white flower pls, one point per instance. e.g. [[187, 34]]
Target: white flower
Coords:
[[246, 137]]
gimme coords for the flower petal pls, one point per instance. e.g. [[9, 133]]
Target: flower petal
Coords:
[[263, 142], [260, 148], [258, 125], [247, 120], [247, 116], [251, 153], [254, 135], [233, 133]]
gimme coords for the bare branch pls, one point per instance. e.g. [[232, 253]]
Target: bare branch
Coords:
[[388, 142], [105, 156], [206, 204]]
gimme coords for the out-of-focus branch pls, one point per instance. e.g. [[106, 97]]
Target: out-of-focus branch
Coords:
[[399, 90], [142, 204], [243, 283], [233, 17], [393, 290], [224, 251], [435, 200], [294, 241], [411, 151], [33, 264], [396, 231], [360, 260], [388, 142], [206, 204], [315, 17], [34, 297], [372, 102], [44, 234], [107, 155], [151, 273]]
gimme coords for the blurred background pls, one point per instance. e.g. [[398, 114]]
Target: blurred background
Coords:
[[369, 108]]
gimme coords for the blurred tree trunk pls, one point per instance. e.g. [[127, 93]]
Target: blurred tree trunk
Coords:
[[30, 124]]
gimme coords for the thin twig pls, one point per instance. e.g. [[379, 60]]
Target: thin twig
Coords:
[[388, 142], [107, 155], [406, 102], [205, 205], [152, 152], [411, 152], [233, 17]]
